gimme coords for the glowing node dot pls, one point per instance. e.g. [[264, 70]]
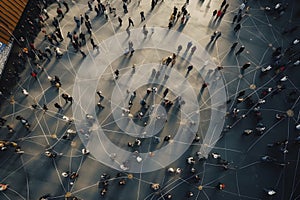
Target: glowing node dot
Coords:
[[290, 113], [130, 176], [252, 87]]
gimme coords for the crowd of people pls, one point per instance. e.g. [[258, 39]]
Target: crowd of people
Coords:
[[38, 20]]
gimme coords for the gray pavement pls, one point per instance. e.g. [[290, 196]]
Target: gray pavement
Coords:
[[206, 112]]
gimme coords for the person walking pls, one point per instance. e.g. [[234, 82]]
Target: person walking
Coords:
[[179, 48], [48, 50], [75, 46], [170, 24], [90, 5], [93, 44], [10, 130], [81, 19], [105, 13], [55, 22], [66, 5], [219, 13], [59, 35], [233, 46], [223, 4], [75, 37], [34, 74], [99, 93], [45, 12], [70, 99], [225, 9], [175, 10], [70, 36], [86, 16], [59, 107], [142, 13], [24, 122], [237, 27], [145, 31], [125, 8], [218, 35], [130, 22], [194, 48], [246, 65], [116, 72], [60, 13], [58, 52], [234, 18], [82, 37], [77, 21], [97, 10], [112, 10], [165, 92], [214, 13], [204, 85], [120, 21], [53, 36], [189, 69], [241, 49], [88, 24], [242, 7], [189, 45], [130, 47], [213, 36], [65, 97], [239, 18], [173, 59], [89, 30], [82, 53], [45, 108], [153, 3], [167, 60], [50, 39]]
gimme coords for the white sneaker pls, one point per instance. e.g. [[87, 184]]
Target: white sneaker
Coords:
[[261, 101], [283, 79], [297, 62], [264, 69]]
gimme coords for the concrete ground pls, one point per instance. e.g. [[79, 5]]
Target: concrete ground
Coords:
[[206, 112]]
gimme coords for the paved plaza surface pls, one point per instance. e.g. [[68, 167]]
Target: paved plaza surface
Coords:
[[207, 111]]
